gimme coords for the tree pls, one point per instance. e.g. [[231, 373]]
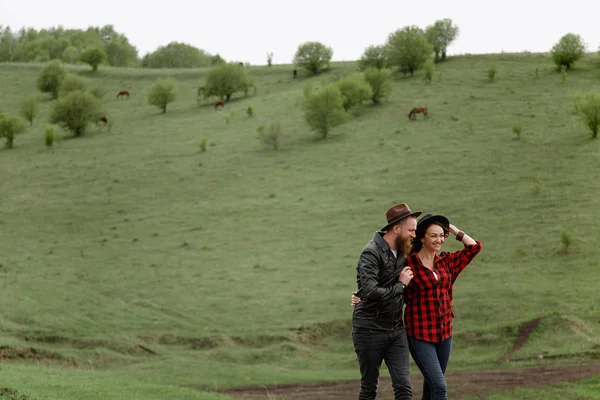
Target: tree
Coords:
[[30, 106], [70, 55], [9, 45], [75, 111], [380, 81], [269, 59], [162, 92], [313, 56], [93, 57], [224, 80], [440, 35], [50, 78], [9, 128], [355, 90], [177, 55], [373, 56], [408, 48], [588, 108], [568, 50], [324, 110]]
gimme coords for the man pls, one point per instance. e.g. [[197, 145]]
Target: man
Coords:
[[377, 330]]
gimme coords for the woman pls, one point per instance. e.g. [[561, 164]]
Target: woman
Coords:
[[428, 314]]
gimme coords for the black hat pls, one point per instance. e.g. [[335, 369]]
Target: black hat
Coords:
[[429, 219]]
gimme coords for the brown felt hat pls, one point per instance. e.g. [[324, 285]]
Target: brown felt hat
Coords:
[[398, 212]]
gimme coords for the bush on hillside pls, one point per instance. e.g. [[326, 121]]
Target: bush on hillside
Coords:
[[50, 78], [93, 57], [355, 90], [568, 50], [75, 111], [71, 83], [429, 69], [10, 127], [373, 56], [408, 49], [380, 81], [224, 80], [588, 107], [324, 109], [271, 135], [29, 108], [313, 56], [162, 92]]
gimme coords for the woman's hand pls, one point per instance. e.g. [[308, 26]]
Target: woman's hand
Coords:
[[355, 300]]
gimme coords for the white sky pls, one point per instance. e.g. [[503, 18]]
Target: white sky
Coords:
[[245, 30]]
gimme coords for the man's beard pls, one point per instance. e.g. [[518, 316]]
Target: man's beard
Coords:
[[404, 245]]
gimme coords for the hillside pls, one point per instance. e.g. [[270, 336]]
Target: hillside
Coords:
[[133, 264]]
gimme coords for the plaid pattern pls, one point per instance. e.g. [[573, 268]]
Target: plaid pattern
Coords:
[[428, 315]]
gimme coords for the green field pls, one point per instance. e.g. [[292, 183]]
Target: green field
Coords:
[[133, 265]]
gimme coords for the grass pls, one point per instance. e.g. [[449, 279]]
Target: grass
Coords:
[[234, 266]]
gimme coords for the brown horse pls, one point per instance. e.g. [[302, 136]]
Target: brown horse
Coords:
[[103, 119], [123, 93], [417, 110], [219, 103]]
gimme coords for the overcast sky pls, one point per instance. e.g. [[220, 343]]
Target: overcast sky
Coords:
[[245, 30]]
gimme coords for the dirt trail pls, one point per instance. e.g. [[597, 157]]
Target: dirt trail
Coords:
[[459, 384]]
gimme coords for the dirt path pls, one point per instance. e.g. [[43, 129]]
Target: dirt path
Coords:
[[459, 383]]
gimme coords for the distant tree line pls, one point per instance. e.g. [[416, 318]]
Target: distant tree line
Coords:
[[95, 46]]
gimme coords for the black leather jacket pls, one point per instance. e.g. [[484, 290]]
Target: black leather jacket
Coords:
[[380, 291]]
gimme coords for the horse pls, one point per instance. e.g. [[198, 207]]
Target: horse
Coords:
[[103, 119], [219, 103], [417, 110], [123, 93]]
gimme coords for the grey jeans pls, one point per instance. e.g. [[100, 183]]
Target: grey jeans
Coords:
[[372, 347]]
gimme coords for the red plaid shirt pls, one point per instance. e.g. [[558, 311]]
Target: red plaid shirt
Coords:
[[428, 315]]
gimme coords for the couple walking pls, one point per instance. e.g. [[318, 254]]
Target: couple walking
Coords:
[[403, 265]]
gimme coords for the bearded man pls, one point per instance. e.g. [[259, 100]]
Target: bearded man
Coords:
[[377, 330]]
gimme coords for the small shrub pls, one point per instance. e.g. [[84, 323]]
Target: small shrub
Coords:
[[324, 109], [49, 137], [203, 143], [75, 111], [566, 240], [162, 92], [72, 83], [563, 73], [30, 106], [537, 72], [380, 81], [269, 59], [588, 107], [537, 186], [429, 68], [355, 90], [491, 73], [97, 92], [271, 136], [250, 111], [517, 131], [10, 127], [227, 119], [50, 78]]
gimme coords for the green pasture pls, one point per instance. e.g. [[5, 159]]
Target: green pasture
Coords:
[[135, 265]]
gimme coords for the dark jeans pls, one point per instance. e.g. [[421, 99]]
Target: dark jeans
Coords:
[[374, 346], [432, 359]]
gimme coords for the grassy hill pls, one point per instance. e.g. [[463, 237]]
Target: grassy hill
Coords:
[[133, 264]]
